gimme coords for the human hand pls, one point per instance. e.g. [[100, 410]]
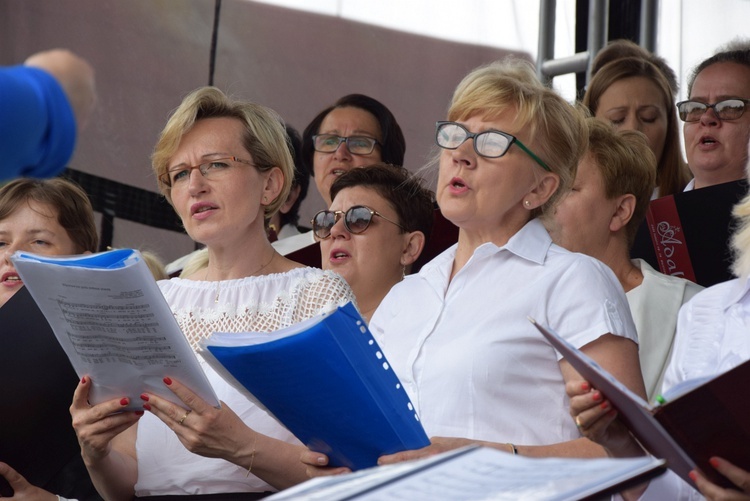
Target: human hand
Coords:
[[596, 419], [437, 445], [22, 489], [74, 74], [738, 476], [202, 429], [317, 465], [97, 425]]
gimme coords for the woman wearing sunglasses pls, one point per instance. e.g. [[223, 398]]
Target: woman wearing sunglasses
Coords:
[[225, 167], [457, 333], [376, 228], [717, 125]]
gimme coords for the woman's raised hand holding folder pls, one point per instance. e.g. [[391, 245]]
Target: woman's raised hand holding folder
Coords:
[[597, 421]]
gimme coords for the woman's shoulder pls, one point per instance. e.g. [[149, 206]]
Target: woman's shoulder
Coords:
[[717, 297]]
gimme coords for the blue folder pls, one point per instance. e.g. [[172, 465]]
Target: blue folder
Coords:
[[330, 385]]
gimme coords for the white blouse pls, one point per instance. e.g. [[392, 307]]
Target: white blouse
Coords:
[[264, 303], [470, 360], [713, 336]]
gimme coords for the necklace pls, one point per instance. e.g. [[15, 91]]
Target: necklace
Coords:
[[218, 282]]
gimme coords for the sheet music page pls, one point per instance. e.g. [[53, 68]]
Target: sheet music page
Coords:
[[114, 325], [480, 473]]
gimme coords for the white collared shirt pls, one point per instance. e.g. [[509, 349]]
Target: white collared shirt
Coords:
[[470, 360]]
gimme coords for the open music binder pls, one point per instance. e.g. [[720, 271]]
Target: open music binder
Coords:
[[36, 435], [710, 419], [481, 473], [327, 381], [113, 323]]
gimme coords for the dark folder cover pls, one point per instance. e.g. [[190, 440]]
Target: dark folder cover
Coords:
[[329, 384], [36, 435], [711, 419], [706, 226]]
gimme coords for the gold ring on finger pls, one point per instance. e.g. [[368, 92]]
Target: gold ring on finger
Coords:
[[182, 419]]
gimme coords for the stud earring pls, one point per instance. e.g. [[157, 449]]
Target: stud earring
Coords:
[[527, 203]]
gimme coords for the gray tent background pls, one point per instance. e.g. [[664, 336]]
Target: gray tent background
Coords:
[[148, 54]]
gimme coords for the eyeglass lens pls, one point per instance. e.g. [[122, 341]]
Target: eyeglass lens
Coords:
[[358, 145], [356, 220], [207, 169], [729, 109], [489, 144]]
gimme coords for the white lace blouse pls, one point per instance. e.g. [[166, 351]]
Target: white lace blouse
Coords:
[[265, 303]]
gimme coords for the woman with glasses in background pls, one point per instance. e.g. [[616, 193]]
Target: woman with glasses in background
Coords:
[[225, 166], [376, 228], [717, 125], [355, 131], [457, 333]]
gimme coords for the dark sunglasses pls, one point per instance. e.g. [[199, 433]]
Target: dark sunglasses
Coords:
[[356, 220]]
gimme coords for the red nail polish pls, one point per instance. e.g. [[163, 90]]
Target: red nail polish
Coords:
[[167, 381], [604, 405], [124, 401], [585, 386], [139, 413], [714, 462], [83, 380], [147, 407], [144, 397], [693, 476], [596, 396]]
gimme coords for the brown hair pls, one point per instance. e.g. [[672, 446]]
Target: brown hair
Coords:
[[412, 202], [70, 202], [672, 173], [627, 166]]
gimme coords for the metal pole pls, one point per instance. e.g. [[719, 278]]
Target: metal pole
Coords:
[[546, 50], [597, 37], [649, 14]]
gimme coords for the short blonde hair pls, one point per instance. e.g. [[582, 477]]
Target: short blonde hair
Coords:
[[556, 130], [627, 166], [264, 136]]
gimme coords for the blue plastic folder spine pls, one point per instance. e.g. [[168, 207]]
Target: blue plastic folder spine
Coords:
[[393, 399], [114, 259], [323, 389]]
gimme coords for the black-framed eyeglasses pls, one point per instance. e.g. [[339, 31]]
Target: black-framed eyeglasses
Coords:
[[210, 169], [489, 144], [357, 145], [728, 109], [356, 220]]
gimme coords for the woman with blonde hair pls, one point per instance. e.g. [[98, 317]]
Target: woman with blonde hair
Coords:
[[225, 166], [457, 333]]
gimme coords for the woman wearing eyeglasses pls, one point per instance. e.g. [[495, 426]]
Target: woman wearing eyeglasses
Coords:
[[375, 229], [224, 166], [717, 126], [457, 333], [355, 131]]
